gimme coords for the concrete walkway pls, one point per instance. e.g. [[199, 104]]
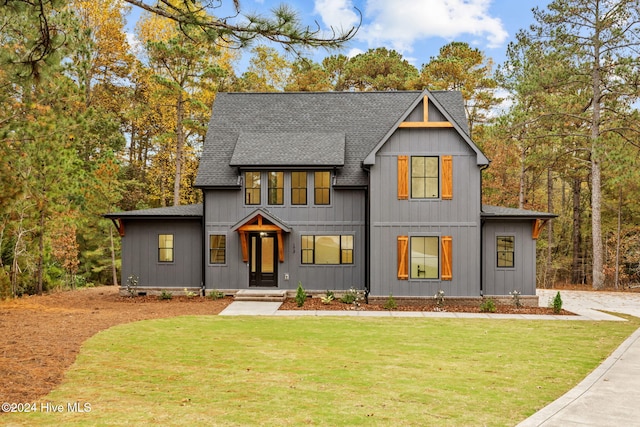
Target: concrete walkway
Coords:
[[609, 396]]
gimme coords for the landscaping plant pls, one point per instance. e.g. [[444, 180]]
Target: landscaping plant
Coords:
[[301, 295], [488, 306], [557, 303]]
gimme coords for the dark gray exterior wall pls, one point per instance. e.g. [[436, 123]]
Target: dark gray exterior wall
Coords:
[[345, 215], [140, 253], [459, 217], [502, 281]]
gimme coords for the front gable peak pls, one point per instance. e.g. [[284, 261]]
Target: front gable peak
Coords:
[[440, 109]]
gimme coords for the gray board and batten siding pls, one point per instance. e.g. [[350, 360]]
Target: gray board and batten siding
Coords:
[[344, 216], [517, 224], [458, 217], [140, 230]]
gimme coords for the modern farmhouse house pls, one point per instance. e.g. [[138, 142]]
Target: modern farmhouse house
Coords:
[[373, 190]]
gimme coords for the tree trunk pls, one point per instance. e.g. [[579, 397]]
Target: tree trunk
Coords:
[[576, 266], [619, 231], [113, 259], [548, 270], [179, 148], [521, 190], [40, 268], [596, 180]]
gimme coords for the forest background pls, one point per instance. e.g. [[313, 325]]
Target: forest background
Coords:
[[90, 124]]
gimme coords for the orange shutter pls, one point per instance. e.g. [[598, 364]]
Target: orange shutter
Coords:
[[403, 177], [403, 257], [447, 258], [447, 177]]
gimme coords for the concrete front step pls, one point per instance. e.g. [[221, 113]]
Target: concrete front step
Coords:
[[261, 295]]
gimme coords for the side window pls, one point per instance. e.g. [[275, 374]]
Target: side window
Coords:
[[298, 188], [506, 248], [165, 248], [217, 248], [321, 187], [424, 177], [252, 188], [276, 188]]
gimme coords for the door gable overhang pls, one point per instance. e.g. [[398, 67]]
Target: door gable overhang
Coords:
[[260, 221]]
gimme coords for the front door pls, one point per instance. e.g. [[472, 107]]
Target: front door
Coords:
[[263, 268]]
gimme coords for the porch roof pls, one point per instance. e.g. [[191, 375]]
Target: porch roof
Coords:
[[499, 212]]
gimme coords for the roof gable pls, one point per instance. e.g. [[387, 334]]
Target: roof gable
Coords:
[[449, 105]]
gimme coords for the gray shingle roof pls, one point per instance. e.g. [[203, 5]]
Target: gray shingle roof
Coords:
[[502, 213], [186, 211], [364, 118], [289, 149]]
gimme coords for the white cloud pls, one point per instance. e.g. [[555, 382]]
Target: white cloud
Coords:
[[338, 14], [400, 24]]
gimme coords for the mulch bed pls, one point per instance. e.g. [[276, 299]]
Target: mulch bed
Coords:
[[42, 335], [317, 304]]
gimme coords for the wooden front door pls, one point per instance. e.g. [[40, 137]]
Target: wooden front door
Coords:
[[263, 266]]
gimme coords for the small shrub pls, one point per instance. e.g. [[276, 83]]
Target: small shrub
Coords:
[[390, 304], [516, 298], [216, 294], [557, 303], [349, 297], [301, 295], [353, 296], [189, 294], [328, 297], [488, 306], [165, 295], [439, 297], [132, 285]]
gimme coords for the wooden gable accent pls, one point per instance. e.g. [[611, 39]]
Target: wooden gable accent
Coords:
[[538, 225], [259, 224], [403, 257], [446, 258], [117, 222], [403, 177], [425, 123], [447, 177]]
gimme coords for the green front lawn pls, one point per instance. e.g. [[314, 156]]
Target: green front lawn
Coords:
[[211, 370]]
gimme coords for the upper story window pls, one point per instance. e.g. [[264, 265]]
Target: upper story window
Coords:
[[276, 188], [298, 188], [277, 181], [252, 188], [321, 187], [165, 248], [506, 251], [424, 177]]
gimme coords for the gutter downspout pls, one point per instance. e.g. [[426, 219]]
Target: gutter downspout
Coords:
[[367, 245], [204, 244], [482, 168]]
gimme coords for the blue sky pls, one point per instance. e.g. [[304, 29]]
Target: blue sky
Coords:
[[415, 28]]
